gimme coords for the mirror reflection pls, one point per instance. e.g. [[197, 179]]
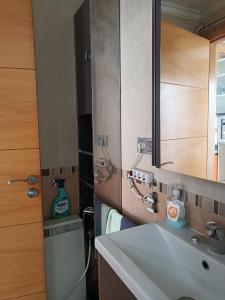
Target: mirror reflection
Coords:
[[193, 88]]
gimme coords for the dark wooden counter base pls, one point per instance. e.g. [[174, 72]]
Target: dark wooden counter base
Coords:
[[110, 285]]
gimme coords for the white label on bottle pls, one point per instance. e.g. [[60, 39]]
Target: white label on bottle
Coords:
[[62, 207]]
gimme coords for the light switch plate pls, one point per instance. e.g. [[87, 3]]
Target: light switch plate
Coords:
[[102, 140]]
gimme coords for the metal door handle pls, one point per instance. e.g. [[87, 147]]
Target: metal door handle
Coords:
[[32, 193], [29, 180]]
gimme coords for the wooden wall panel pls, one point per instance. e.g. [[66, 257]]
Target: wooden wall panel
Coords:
[[184, 57], [189, 156], [184, 112], [22, 254], [18, 109], [39, 296], [21, 247], [17, 50], [56, 81], [184, 107], [16, 207], [211, 158]]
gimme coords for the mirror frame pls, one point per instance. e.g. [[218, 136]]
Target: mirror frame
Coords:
[[156, 38]]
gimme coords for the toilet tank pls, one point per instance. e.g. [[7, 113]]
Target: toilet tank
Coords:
[[64, 259]]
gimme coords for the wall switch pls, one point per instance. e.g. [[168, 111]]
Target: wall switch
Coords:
[[140, 175], [144, 144], [102, 140]]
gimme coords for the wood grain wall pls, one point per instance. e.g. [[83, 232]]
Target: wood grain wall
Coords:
[[21, 225], [56, 82], [184, 105]]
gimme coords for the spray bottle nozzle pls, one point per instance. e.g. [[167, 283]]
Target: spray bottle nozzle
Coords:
[[58, 182]]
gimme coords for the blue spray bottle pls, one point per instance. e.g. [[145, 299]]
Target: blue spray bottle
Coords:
[[61, 204]]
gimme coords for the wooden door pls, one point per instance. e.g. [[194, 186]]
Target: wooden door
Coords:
[[21, 227]]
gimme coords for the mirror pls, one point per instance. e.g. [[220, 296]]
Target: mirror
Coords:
[[192, 88]]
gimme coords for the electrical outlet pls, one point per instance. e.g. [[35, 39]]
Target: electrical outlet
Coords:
[[101, 162], [102, 140], [141, 175], [144, 144]]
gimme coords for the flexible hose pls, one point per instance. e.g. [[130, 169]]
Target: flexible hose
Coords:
[[88, 262]]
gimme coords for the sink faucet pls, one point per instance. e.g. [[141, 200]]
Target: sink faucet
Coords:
[[216, 239], [214, 231]]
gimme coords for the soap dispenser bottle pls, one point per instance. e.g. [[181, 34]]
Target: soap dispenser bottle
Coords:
[[175, 207]]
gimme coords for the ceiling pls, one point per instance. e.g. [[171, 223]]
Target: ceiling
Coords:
[[191, 13]]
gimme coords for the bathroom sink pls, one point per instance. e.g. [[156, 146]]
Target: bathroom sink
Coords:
[[158, 262]]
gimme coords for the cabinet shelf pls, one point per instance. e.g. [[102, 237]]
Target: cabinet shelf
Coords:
[[85, 152]]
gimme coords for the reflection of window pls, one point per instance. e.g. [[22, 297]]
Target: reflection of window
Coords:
[[221, 77]]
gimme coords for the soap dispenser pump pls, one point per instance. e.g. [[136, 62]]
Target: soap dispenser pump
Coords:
[[175, 207]]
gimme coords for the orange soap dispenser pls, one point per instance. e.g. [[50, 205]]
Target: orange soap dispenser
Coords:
[[175, 207]]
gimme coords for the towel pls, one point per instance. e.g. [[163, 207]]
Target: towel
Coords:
[[97, 217], [113, 222], [105, 210], [126, 223]]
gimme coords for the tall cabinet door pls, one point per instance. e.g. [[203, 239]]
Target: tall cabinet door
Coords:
[[22, 274]]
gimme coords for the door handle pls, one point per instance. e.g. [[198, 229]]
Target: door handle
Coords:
[[29, 180]]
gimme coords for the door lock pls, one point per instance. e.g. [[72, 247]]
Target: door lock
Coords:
[[32, 193], [29, 180]]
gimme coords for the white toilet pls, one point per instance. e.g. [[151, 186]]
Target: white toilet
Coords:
[[65, 259]]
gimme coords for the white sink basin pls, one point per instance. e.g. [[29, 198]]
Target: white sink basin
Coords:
[[157, 262]]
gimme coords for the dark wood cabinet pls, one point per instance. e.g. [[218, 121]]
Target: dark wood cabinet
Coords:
[[111, 286]]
